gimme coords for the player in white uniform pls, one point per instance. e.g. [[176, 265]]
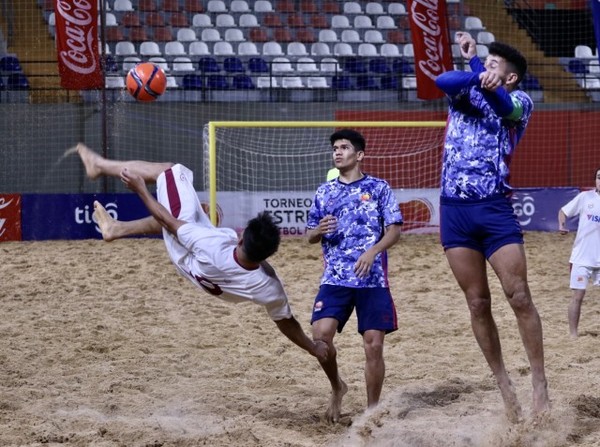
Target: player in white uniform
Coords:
[[585, 256], [214, 259]]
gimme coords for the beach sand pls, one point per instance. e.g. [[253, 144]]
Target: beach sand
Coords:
[[103, 344]]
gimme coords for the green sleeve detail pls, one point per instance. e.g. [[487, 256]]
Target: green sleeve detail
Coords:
[[517, 112]]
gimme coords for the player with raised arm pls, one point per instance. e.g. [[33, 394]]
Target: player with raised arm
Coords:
[[585, 256], [214, 259], [488, 115]]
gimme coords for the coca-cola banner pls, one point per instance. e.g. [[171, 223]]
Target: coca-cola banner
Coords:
[[77, 44], [429, 31]]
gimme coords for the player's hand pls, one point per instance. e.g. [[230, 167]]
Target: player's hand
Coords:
[[327, 225], [466, 43], [363, 265], [132, 182], [490, 81]]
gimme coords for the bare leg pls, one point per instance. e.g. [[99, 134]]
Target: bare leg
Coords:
[[96, 165], [324, 330], [375, 365], [112, 229], [469, 268], [575, 311], [511, 267], [292, 330]]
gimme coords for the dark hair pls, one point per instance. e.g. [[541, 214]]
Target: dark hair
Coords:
[[596, 173], [261, 237], [512, 56], [354, 137]]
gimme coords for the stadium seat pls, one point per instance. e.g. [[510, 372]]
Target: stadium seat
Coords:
[[342, 82], [330, 65], [355, 65], [389, 50], [350, 36], [162, 34], [295, 21], [396, 8], [258, 35], [247, 49], [248, 21], [402, 66], [122, 5], [186, 35], [317, 82], [138, 34], [217, 82], [291, 82], [594, 67], [409, 82], [125, 48], [201, 21], [386, 22], [154, 19], [198, 49], [114, 34], [110, 64], [305, 35], [215, 6], [10, 64], [210, 35], [225, 21], [339, 21], [296, 49], [320, 49], [309, 7], [272, 49], [319, 21], [208, 64], [272, 20], [397, 37], [161, 62], [177, 20], [482, 50], [192, 81], [242, 82], [343, 49], [389, 82], [331, 7], [583, 52], [373, 36], [114, 82], [170, 6], [193, 6], [306, 65], [282, 35], [473, 23], [258, 65], [374, 8], [352, 8], [367, 50], [223, 49], [174, 49], [408, 50], [234, 35], [285, 6], [362, 21], [131, 19], [149, 49], [266, 82], [147, 5], [183, 64], [328, 35], [379, 65], [577, 67], [485, 37], [263, 6], [129, 62], [366, 82], [172, 82], [239, 6], [530, 82], [281, 65], [110, 19], [233, 65]]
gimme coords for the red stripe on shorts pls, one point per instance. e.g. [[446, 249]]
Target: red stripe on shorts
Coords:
[[172, 193]]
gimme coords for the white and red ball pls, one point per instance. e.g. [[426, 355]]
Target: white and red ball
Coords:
[[146, 81]]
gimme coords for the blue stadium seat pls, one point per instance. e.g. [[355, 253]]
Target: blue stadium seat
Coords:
[[242, 82], [577, 67], [111, 64], [355, 65], [217, 82], [402, 66], [208, 64], [379, 65], [342, 82], [389, 82], [258, 65], [366, 82], [17, 81], [192, 82], [233, 65], [530, 82], [10, 64]]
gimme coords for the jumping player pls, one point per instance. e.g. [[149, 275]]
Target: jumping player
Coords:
[[213, 259], [356, 218], [488, 115]]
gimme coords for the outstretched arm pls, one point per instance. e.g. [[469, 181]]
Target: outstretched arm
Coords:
[[159, 212]]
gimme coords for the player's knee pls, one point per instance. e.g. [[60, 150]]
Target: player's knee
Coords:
[[520, 300], [479, 306]]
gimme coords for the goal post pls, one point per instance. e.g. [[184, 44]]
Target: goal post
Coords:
[[277, 165]]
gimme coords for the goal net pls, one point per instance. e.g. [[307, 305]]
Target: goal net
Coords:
[[277, 166]]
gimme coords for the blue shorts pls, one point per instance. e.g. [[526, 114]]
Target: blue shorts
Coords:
[[375, 307], [485, 225]]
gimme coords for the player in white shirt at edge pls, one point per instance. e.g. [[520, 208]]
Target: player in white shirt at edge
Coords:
[[585, 256]]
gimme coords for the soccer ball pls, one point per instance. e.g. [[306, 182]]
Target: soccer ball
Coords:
[[146, 81]]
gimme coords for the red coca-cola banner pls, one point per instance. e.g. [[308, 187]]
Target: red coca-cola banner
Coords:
[[77, 44], [10, 217], [429, 31]]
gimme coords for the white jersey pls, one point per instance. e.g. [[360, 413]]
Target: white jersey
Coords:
[[205, 254], [586, 248]]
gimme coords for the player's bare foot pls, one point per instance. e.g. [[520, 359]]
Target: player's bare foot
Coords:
[[105, 222], [332, 415], [541, 401], [511, 403], [90, 160]]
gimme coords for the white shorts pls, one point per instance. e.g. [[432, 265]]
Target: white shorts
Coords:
[[581, 275]]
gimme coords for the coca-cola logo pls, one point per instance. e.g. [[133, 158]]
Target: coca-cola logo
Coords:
[[4, 203], [78, 51], [426, 17]]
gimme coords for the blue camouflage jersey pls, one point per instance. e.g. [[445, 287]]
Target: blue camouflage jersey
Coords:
[[479, 143], [363, 209]]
